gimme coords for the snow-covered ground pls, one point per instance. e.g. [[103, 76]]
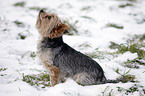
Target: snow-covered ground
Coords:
[[17, 55]]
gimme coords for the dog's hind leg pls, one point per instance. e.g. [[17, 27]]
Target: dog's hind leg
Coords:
[[84, 79]]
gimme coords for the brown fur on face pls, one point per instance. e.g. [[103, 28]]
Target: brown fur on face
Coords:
[[49, 25]]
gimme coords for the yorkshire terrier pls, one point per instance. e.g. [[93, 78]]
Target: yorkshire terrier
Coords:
[[60, 59]]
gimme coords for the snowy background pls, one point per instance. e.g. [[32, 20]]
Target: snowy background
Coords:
[[112, 32]]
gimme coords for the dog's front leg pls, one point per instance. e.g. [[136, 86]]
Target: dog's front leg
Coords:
[[54, 74]]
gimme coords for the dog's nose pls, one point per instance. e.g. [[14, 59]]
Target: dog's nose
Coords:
[[41, 11]]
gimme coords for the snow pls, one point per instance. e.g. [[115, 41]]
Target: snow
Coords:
[[15, 52]]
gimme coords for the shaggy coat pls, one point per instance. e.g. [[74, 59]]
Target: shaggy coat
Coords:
[[60, 59]]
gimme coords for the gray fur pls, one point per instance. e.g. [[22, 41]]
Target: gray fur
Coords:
[[70, 62], [60, 59]]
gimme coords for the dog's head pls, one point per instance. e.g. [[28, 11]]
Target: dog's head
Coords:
[[49, 25]]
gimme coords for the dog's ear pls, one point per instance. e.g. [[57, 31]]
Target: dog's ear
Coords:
[[58, 31]]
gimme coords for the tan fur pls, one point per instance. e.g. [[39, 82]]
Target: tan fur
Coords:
[[81, 78], [58, 31], [52, 28], [46, 56], [60, 59], [54, 74]]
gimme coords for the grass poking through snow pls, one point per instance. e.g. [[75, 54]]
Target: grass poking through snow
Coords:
[[114, 26], [132, 89], [41, 80], [73, 29], [134, 45], [125, 77], [20, 4]]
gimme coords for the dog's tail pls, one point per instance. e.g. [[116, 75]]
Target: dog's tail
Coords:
[[112, 81]]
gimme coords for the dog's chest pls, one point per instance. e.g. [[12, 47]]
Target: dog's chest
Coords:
[[45, 54]]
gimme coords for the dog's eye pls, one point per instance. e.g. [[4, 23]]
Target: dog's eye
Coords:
[[49, 17]]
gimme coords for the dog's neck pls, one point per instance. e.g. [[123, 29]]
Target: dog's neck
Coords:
[[52, 43]]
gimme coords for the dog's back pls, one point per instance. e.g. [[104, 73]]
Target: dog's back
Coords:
[[60, 59], [78, 66]]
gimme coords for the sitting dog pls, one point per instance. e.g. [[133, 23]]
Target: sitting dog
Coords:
[[60, 59]]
